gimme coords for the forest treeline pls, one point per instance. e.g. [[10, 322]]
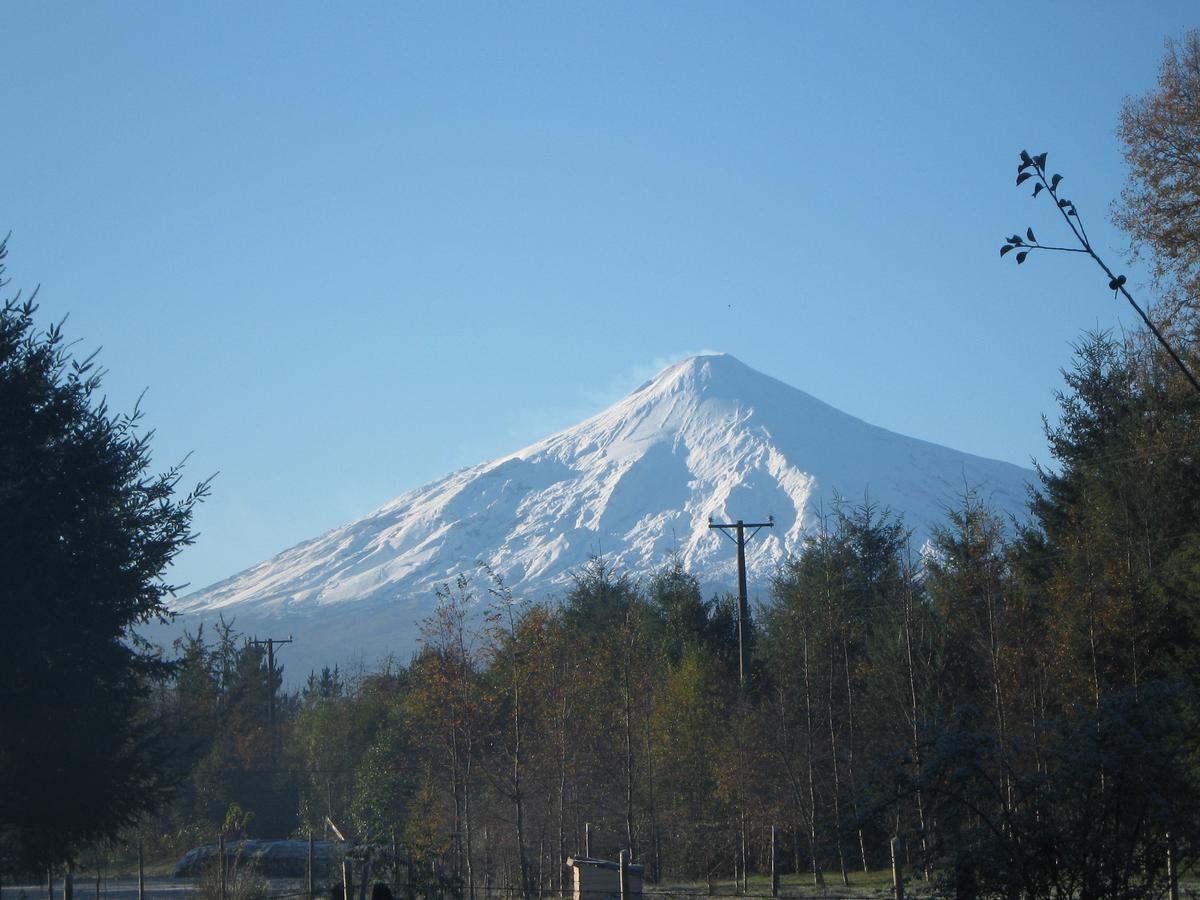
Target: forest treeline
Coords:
[[1015, 701]]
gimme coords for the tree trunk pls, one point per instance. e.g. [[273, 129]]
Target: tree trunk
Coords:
[[862, 846], [914, 720], [818, 878], [833, 753]]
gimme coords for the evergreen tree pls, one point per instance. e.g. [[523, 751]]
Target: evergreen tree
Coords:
[[674, 595], [1118, 514], [599, 599], [87, 531]]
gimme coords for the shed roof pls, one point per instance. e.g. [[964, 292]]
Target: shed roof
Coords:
[[582, 861]]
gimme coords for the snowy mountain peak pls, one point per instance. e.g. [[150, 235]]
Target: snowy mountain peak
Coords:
[[711, 375], [707, 436]]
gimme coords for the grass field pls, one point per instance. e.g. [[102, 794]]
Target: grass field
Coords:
[[119, 882], [862, 884]]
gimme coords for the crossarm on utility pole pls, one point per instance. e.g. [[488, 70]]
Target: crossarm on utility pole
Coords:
[[739, 529], [271, 643]]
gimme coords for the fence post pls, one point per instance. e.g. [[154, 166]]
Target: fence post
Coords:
[[221, 857], [141, 874], [745, 851], [897, 875], [309, 874], [68, 883], [1172, 872], [624, 873], [49, 884], [774, 864]]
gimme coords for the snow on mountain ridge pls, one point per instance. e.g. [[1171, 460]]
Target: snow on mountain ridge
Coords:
[[706, 436]]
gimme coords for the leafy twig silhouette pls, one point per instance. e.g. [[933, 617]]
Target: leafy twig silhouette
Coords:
[[1034, 167]]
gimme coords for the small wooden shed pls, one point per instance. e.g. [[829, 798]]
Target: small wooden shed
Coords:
[[600, 879]]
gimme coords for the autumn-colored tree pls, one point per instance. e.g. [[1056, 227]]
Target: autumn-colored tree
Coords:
[[794, 645], [446, 708], [690, 716], [513, 643], [1160, 206]]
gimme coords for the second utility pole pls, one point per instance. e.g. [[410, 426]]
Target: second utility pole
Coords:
[[271, 643], [739, 527]]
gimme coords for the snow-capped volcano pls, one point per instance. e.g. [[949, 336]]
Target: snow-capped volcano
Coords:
[[707, 436]]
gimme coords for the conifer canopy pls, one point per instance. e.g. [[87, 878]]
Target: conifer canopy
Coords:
[[87, 530]]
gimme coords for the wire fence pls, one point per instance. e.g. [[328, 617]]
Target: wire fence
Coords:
[[160, 888]]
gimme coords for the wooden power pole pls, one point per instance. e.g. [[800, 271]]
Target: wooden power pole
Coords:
[[739, 529], [271, 643]]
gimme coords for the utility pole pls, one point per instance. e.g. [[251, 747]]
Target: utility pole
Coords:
[[739, 528], [271, 642]]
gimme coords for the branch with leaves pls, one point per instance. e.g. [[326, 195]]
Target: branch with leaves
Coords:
[[1034, 167]]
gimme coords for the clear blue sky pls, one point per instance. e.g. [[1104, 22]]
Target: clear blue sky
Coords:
[[351, 247]]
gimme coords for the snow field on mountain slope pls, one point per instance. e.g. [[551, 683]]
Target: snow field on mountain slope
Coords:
[[707, 437]]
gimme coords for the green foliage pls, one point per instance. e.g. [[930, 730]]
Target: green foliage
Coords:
[[681, 619], [1090, 819], [599, 599], [1118, 513], [380, 789], [87, 530], [674, 595], [351, 752], [685, 746], [222, 744], [237, 821]]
